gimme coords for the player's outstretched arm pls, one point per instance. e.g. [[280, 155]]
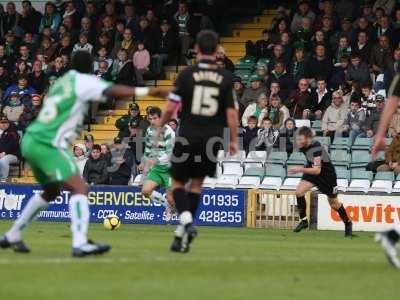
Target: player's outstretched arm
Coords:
[[232, 118], [379, 140], [122, 91]]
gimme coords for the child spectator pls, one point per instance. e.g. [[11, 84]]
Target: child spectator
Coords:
[[355, 120], [250, 133], [80, 158], [123, 71], [286, 136], [102, 55], [277, 112], [83, 44], [95, 170], [14, 109], [266, 136], [141, 61]]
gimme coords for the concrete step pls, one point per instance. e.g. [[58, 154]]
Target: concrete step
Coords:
[[236, 40]]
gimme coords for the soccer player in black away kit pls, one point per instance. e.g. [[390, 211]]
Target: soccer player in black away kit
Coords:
[[318, 172], [388, 239], [208, 106]]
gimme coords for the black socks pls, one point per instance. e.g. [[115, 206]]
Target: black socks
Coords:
[[343, 215], [186, 201], [301, 206], [194, 201], [393, 235]]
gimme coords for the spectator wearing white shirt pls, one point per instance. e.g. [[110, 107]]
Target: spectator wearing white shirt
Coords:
[[83, 44]]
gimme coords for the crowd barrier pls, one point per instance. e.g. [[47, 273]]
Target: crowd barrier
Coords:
[[218, 207]]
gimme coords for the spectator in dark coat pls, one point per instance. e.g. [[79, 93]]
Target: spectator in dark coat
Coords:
[[321, 99], [221, 54], [30, 112], [6, 60], [30, 19], [166, 47], [296, 68], [9, 148], [362, 47], [319, 66], [38, 78], [5, 80], [251, 94], [358, 71], [95, 171], [298, 100], [264, 46], [372, 122], [339, 73], [121, 164], [250, 133], [381, 55], [280, 75], [133, 115], [286, 136], [122, 70]]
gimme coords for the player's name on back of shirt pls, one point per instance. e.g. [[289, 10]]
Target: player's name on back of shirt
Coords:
[[208, 76]]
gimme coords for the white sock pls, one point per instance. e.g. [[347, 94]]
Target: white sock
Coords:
[[158, 198], [31, 210], [186, 218], [79, 210], [180, 230]]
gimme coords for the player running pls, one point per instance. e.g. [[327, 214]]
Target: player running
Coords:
[[318, 172], [156, 158], [205, 94], [46, 147], [388, 239]]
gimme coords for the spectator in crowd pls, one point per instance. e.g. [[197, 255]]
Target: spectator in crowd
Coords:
[[106, 153], [25, 55], [21, 70], [30, 113], [304, 35], [141, 62], [38, 78], [136, 144], [10, 44], [280, 75], [51, 18], [250, 133], [89, 142], [56, 69], [358, 71], [286, 136], [11, 18], [9, 147], [252, 93], [123, 70], [339, 73], [71, 12], [185, 26], [354, 123], [392, 70], [88, 29], [83, 44], [258, 110], [319, 66], [334, 116], [80, 158], [299, 100], [381, 55], [383, 28], [344, 49], [146, 34], [5, 80], [221, 54], [102, 55], [321, 99], [262, 73], [14, 109], [47, 50], [121, 168], [304, 11], [394, 125], [133, 115], [362, 47], [296, 69], [238, 88], [127, 43], [130, 19], [104, 41], [95, 170], [392, 158], [103, 71], [173, 123], [166, 46], [277, 112], [6, 60], [30, 19], [278, 55], [368, 98], [266, 136], [264, 46], [372, 121]]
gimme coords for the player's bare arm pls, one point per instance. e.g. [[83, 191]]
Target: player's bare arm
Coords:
[[232, 117], [121, 91]]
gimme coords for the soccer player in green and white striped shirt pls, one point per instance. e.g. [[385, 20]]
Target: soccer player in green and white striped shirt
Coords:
[[46, 147], [156, 158]]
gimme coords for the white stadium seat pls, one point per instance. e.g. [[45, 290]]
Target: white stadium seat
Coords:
[[381, 186], [290, 183], [396, 188], [227, 181], [209, 182], [271, 183], [249, 182], [232, 168], [252, 164], [239, 156], [257, 156], [301, 123], [359, 185], [342, 184]]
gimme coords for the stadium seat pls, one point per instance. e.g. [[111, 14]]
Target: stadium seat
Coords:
[[277, 158], [302, 122], [343, 178], [340, 143], [362, 144], [317, 124], [227, 181], [360, 181], [271, 183], [383, 182], [251, 178], [323, 140], [274, 177], [209, 182], [359, 159], [387, 176], [340, 158], [252, 164], [257, 172], [232, 168], [297, 158], [396, 187], [260, 156], [290, 183], [239, 156]]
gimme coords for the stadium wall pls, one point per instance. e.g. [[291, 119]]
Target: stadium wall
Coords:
[[219, 207]]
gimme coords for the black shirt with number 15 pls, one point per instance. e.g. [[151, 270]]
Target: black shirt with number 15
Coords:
[[205, 93]]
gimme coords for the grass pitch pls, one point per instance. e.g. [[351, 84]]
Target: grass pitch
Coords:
[[224, 263]]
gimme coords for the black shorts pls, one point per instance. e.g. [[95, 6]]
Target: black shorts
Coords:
[[192, 160], [326, 184]]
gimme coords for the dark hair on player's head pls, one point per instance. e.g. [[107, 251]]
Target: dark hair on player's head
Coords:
[[155, 111], [82, 61], [207, 41], [305, 131], [96, 147]]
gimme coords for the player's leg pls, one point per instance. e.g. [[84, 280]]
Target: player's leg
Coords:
[[336, 205], [79, 211], [153, 180], [388, 241], [303, 187], [37, 203]]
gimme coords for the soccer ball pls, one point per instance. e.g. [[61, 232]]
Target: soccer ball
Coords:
[[111, 222]]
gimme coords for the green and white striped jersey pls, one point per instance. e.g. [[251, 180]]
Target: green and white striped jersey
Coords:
[[162, 151], [61, 117]]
